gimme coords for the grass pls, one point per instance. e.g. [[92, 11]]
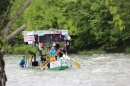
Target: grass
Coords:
[[93, 51]]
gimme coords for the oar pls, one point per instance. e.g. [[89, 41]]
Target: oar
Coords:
[[76, 63], [45, 64]]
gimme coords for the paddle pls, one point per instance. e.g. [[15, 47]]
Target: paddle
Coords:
[[76, 63], [45, 64]]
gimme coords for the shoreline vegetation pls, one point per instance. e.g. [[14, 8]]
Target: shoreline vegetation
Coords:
[[21, 49], [90, 52]]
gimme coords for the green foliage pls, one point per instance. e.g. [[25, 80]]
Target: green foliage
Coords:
[[29, 56], [127, 50], [48, 55], [3, 6], [20, 49], [91, 23], [114, 10], [107, 2], [8, 48]]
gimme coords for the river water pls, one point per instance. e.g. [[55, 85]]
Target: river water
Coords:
[[95, 70]]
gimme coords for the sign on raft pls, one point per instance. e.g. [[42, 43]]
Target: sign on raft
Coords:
[[60, 64]]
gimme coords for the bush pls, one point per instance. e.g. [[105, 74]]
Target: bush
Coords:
[[19, 49], [127, 50]]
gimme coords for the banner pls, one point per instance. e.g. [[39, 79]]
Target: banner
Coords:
[[30, 33], [57, 31], [30, 42], [64, 32], [30, 37], [40, 33], [55, 64]]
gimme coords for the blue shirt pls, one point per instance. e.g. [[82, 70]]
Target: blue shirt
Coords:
[[52, 52], [22, 62]]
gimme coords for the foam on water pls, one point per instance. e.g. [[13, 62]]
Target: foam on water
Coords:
[[96, 70]]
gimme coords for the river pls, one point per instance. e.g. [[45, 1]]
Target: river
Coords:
[[95, 70]]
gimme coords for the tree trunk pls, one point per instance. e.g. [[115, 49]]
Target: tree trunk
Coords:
[[3, 77]]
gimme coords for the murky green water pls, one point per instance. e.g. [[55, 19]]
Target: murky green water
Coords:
[[96, 70]]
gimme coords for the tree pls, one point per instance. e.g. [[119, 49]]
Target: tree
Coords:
[[91, 23], [3, 6], [4, 37]]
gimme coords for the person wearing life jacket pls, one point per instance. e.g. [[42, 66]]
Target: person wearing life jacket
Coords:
[[52, 51]]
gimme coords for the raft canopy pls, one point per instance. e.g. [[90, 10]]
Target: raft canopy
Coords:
[[45, 36]]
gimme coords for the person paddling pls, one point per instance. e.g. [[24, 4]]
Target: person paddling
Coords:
[[62, 51]]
